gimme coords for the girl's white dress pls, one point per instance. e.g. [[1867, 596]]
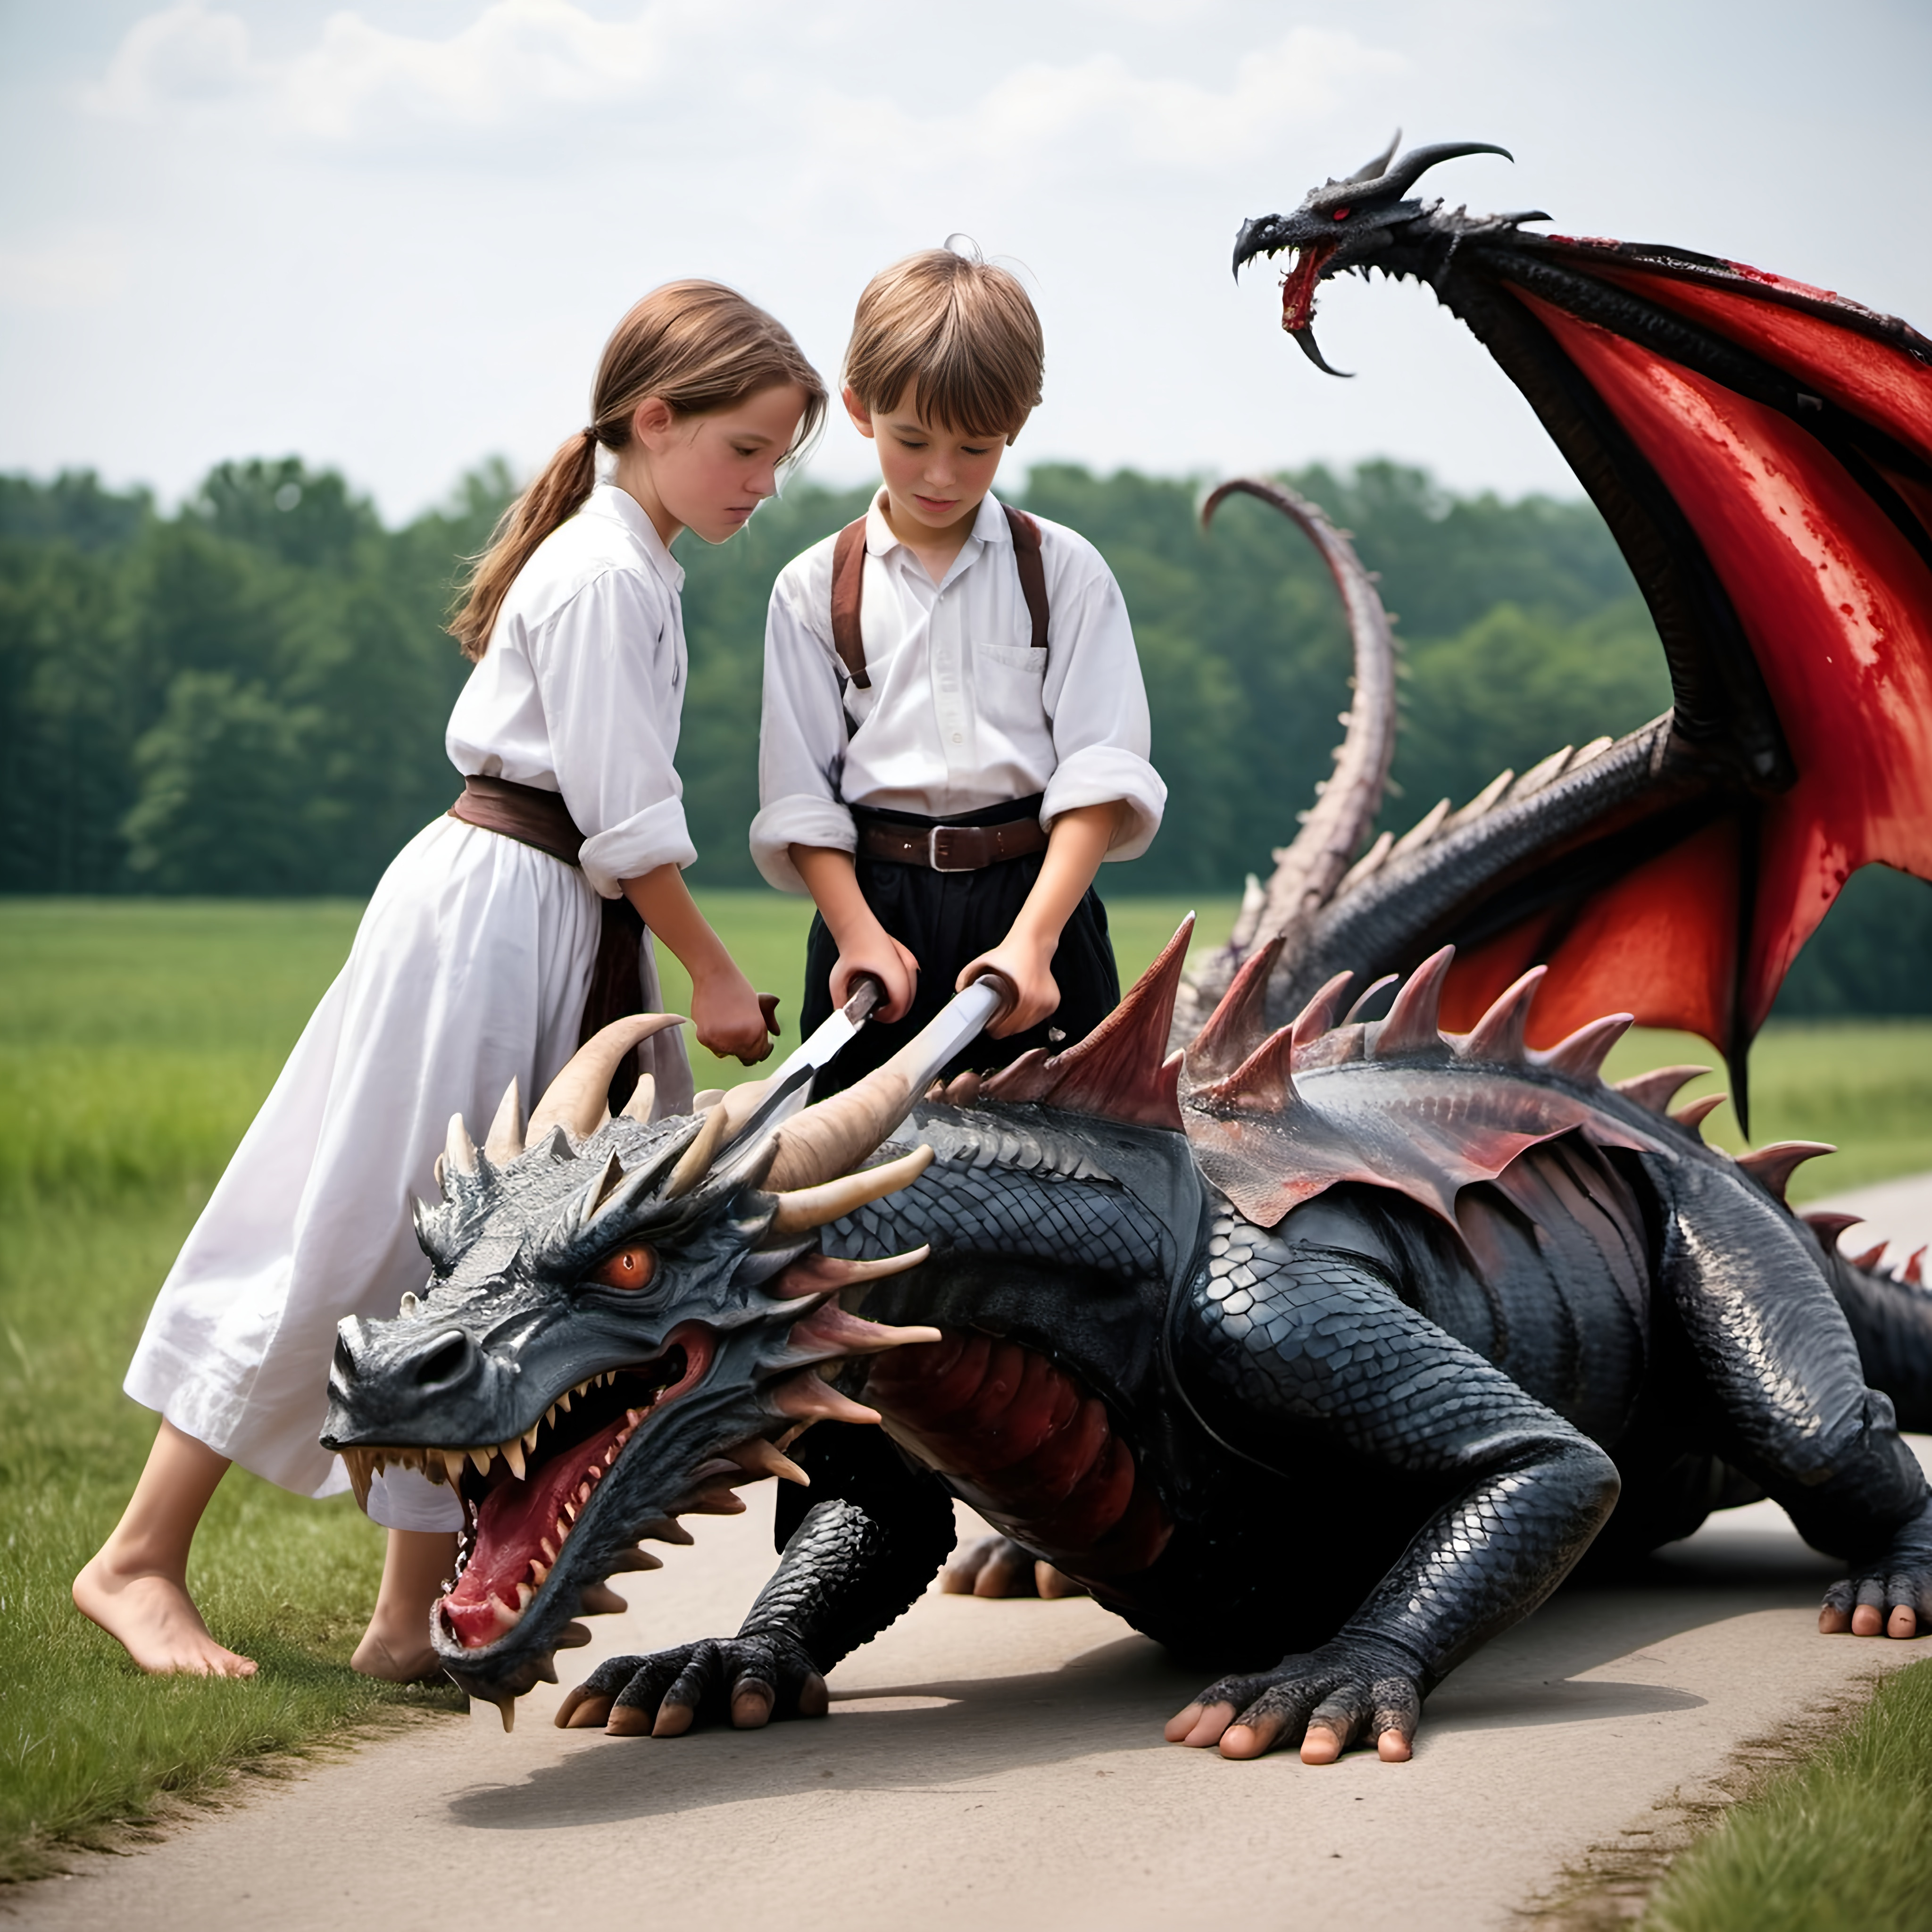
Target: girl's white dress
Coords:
[[469, 967]]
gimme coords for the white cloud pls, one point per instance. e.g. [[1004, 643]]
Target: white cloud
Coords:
[[87, 269], [516, 57]]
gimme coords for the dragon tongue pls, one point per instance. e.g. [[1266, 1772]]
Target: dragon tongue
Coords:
[[515, 1520], [1297, 286]]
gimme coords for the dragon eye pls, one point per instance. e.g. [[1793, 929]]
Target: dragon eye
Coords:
[[1342, 214], [628, 1267]]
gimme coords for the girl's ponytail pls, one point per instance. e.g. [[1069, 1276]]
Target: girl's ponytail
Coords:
[[699, 346]]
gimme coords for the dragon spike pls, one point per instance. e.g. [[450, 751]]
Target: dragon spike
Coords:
[[801, 1209], [1412, 1024], [460, 1155], [826, 1274], [828, 1331], [1363, 998], [575, 1100], [505, 1141], [1911, 1274], [1238, 1024], [695, 1161], [1117, 1071], [1694, 1113], [361, 1465], [1655, 1091], [1581, 1056], [1870, 1258], [643, 1098], [607, 1184], [1772, 1167], [963, 1090], [1319, 1015], [1264, 1083], [1498, 1036], [808, 1396], [757, 1457], [1828, 1225]]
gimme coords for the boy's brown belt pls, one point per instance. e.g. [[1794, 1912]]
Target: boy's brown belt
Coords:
[[533, 816], [951, 848]]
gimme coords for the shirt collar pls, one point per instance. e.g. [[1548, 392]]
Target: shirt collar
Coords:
[[619, 506]]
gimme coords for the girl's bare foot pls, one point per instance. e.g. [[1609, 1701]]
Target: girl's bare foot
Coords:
[[135, 1589], [154, 1619]]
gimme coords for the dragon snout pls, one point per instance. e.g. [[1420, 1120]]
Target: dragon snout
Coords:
[[380, 1379]]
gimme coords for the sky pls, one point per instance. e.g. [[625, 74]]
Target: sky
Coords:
[[391, 238]]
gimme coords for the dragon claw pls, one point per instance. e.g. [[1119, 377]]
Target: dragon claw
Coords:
[[1326, 1700]]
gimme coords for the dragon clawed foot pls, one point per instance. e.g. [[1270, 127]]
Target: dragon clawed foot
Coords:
[[997, 1566], [1891, 1597], [745, 1681], [1329, 1699]]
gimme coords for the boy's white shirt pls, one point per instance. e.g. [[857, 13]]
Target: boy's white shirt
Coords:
[[581, 688], [962, 713]]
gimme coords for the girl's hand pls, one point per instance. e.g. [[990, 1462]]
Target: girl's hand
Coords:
[[1026, 961], [730, 1019], [878, 953]]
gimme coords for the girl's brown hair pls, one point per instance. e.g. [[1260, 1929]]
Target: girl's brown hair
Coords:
[[961, 331], [701, 346]]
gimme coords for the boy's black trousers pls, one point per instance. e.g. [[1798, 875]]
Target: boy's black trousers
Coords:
[[946, 919]]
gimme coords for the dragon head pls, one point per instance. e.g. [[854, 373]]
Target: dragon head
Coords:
[[624, 1318], [1348, 224]]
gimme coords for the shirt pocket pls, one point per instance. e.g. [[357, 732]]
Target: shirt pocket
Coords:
[[1007, 658]]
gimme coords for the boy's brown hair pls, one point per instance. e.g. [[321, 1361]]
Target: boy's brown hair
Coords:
[[961, 331]]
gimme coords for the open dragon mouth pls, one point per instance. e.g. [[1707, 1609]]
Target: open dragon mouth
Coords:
[[518, 1514], [1297, 286]]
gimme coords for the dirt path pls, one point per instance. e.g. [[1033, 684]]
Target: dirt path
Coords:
[[1001, 1764]]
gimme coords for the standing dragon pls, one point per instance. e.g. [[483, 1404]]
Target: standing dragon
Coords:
[[1319, 1346]]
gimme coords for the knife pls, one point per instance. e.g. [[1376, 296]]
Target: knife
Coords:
[[788, 1089]]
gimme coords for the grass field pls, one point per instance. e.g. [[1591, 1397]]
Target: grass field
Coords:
[[137, 1039], [1842, 1843]]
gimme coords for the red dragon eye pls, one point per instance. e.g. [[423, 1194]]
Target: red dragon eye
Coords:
[[628, 1267], [1342, 214]]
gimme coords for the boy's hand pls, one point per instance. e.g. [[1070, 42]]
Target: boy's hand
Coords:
[[730, 1020], [878, 953], [1027, 963]]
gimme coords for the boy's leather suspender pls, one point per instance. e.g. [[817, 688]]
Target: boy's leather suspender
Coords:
[[848, 585]]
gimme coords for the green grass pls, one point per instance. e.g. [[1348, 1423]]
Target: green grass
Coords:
[[136, 1039], [1841, 1844]]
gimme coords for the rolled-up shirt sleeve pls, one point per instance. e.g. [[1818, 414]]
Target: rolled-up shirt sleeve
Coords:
[[1097, 705], [609, 668], [802, 731]]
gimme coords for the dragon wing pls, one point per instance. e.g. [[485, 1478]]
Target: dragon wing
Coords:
[[1763, 453]]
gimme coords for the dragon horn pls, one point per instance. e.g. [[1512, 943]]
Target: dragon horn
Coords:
[[1403, 176], [1374, 170], [800, 1210], [576, 1100], [505, 1141], [459, 1156]]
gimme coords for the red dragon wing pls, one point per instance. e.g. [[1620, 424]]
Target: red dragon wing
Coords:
[[1763, 453], [1791, 431]]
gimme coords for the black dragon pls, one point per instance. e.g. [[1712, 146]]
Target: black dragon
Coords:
[[1319, 1346]]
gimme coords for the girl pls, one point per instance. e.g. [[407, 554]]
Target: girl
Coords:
[[472, 964]]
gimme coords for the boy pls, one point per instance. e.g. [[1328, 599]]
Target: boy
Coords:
[[955, 731]]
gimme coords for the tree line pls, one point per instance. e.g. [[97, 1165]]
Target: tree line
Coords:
[[248, 696]]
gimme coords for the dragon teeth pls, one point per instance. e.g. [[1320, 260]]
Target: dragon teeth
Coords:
[[482, 1458], [512, 1452], [452, 1462]]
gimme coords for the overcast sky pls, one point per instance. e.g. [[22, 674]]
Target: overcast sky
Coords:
[[392, 237]]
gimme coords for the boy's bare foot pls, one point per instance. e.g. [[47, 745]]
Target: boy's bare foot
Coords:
[[155, 1620]]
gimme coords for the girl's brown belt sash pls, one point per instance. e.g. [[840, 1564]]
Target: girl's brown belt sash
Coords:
[[533, 816]]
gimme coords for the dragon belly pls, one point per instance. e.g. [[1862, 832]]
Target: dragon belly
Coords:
[[1027, 1446]]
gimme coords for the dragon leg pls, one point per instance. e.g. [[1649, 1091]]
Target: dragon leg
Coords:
[[1794, 1411]]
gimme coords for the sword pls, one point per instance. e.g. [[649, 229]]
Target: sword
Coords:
[[961, 1020]]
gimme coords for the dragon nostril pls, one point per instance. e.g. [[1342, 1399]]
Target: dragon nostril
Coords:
[[447, 1360]]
